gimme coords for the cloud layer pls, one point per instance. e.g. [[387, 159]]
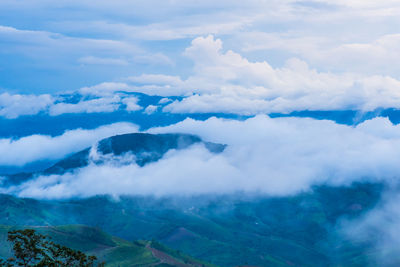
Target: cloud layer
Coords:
[[379, 229], [224, 82], [264, 155], [13, 106], [33, 148], [227, 82]]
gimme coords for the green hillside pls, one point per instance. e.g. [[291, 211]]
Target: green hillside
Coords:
[[301, 230], [113, 250]]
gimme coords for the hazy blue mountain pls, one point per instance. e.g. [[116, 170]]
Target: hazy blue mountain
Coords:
[[144, 147]]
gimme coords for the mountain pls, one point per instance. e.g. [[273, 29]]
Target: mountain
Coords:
[[225, 230], [301, 230], [143, 147], [113, 250]]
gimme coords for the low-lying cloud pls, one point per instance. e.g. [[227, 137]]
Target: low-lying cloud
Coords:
[[105, 104], [379, 228], [264, 155], [34, 148], [13, 106]]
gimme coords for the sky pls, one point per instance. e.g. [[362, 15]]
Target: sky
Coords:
[[48, 47], [235, 57]]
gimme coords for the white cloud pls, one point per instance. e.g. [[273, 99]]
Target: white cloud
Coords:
[[104, 89], [380, 53], [177, 8], [97, 99], [104, 104], [379, 229], [131, 103], [372, 55], [267, 156], [43, 44], [12, 106], [150, 109], [102, 61], [158, 79], [363, 3], [174, 29], [227, 82], [154, 59], [164, 100], [158, 84], [116, 39], [33, 148]]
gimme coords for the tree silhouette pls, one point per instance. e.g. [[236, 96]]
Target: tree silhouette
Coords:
[[35, 250]]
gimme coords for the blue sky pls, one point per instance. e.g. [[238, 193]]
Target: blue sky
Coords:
[[48, 46], [236, 57]]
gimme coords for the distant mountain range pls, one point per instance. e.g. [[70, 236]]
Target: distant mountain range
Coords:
[[43, 123]]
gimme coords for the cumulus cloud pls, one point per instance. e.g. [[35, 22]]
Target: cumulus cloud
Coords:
[[33, 148], [228, 82], [12, 106], [266, 156]]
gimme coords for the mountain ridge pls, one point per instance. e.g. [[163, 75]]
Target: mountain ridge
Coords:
[[145, 148]]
